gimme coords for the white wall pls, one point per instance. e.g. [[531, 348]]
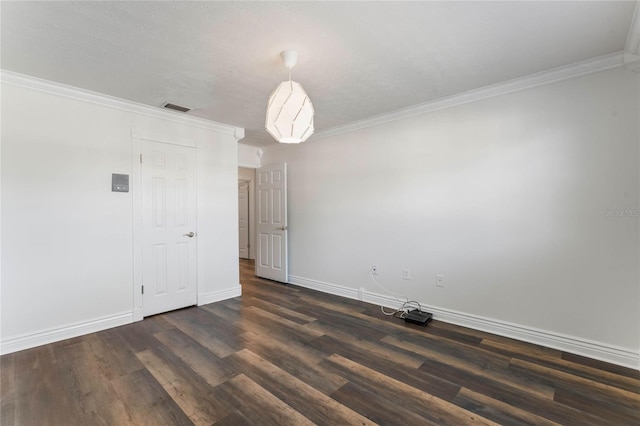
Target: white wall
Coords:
[[510, 198], [67, 251]]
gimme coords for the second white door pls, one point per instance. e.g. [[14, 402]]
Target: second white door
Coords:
[[271, 191], [169, 256]]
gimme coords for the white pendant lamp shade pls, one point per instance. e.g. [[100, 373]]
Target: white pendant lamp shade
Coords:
[[289, 112]]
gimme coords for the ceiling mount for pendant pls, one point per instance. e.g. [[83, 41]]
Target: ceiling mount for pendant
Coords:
[[289, 57], [289, 111]]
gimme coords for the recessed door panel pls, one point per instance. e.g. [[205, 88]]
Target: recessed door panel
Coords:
[[263, 251], [276, 252], [263, 178], [159, 201], [182, 202], [182, 257], [276, 205], [160, 268], [263, 206]]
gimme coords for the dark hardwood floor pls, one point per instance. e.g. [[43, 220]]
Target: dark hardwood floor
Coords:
[[286, 355]]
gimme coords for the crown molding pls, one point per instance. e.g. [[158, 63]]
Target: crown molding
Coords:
[[532, 80], [238, 133], [633, 39], [249, 156], [250, 148], [632, 62], [37, 84]]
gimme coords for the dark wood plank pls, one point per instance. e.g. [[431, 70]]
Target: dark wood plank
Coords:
[[302, 361], [598, 405], [112, 354], [559, 363], [146, 402], [198, 358], [601, 365], [304, 398], [282, 354], [375, 407], [519, 398], [472, 361], [8, 392], [498, 411], [217, 335], [187, 388], [257, 404], [41, 395], [412, 400]]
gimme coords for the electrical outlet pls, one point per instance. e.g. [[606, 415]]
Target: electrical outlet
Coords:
[[440, 280], [374, 269], [406, 274]]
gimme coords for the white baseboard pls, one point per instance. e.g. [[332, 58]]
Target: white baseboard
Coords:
[[338, 290], [220, 295], [27, 341], [615, 355]]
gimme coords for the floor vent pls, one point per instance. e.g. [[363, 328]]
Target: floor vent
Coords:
[[175, 107]]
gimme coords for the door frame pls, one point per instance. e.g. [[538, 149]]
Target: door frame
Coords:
[[135, 188], [252, 208], [249, 215]]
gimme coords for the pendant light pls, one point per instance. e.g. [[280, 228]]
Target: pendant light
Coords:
[[289, 111]]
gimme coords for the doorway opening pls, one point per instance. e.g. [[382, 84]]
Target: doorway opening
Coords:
[[246, 215]]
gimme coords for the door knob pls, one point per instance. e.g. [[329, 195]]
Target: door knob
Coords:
[[190, 235], [282, 228]]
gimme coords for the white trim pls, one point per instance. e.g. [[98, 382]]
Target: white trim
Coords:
[[252, 214], [335, 289], [220, 295], [32, 340], [157, 137], [633, 39], [239, 133], [249, 151], [532, 80], [46, 86], [614, 354], [136, 194], [554, 75]]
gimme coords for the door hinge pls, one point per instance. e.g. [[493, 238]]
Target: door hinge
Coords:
[[140, 158], [142, 289]]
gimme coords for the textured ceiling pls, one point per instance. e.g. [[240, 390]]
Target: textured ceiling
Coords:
[[356, 59]]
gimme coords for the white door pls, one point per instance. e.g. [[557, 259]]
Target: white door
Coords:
[[271, 191], [168, 227], [243, 218]]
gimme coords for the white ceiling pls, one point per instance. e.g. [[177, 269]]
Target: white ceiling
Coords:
[[356, 59]]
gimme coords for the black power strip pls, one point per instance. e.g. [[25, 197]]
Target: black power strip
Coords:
[[416, 316]]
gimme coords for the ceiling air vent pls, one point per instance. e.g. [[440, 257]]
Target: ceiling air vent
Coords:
[[175, 107]]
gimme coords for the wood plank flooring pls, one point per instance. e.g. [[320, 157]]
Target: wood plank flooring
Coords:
[[283, 355]]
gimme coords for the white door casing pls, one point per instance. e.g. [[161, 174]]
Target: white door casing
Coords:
[[168, 225], [271, 222], [243, 219]]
